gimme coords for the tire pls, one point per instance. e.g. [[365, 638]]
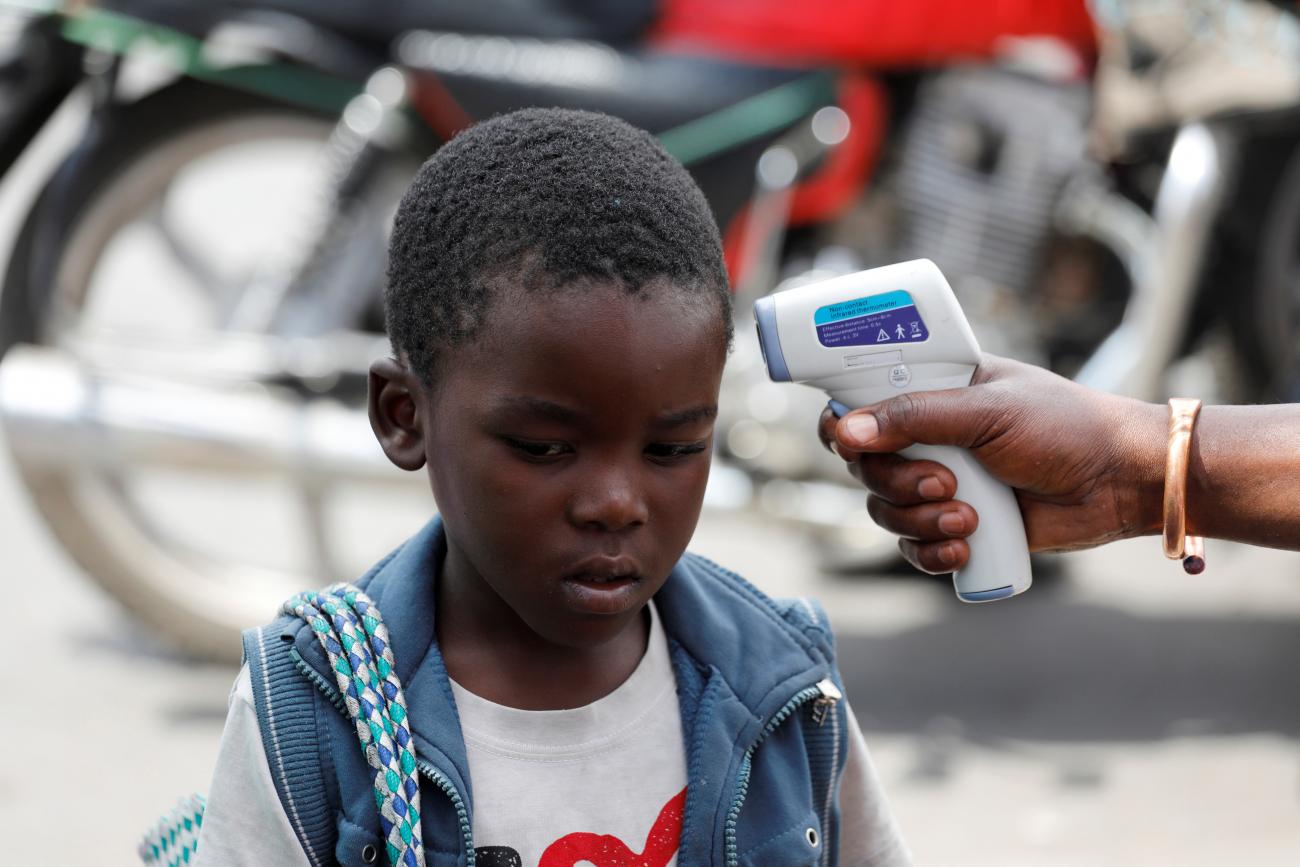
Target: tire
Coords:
[[90, 519], [127, 136]]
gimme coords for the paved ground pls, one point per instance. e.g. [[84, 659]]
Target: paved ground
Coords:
[[1121, 713]]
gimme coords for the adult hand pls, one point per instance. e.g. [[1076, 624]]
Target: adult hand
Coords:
[[1086, 467]]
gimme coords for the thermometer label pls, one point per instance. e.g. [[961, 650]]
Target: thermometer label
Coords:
[[878, 320]]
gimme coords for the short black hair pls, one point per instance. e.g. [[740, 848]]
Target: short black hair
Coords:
[[542, 198]]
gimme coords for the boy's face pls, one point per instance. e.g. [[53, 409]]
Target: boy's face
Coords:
[[568, 448]]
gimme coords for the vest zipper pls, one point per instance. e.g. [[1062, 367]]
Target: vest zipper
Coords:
[[439, 779], [826, 694], [432, 774], [329, 690], [830, 695]]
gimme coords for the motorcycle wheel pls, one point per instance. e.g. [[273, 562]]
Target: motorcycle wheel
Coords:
[[193, 597]]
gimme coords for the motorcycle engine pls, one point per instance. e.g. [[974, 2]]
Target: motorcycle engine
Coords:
[[981, 166]]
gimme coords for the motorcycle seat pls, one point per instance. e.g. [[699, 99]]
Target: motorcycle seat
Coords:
[[378, 22], [656, 90], [714, 115], [494, 55]]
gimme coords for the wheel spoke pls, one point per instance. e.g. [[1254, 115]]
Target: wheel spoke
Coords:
[[187, 255]]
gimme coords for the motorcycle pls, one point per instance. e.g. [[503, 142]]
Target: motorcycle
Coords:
[[192, 302]]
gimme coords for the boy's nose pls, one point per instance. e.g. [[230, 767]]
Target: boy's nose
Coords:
[[611, 502]]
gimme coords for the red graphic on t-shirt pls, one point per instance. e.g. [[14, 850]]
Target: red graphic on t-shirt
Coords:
[[606, 850]]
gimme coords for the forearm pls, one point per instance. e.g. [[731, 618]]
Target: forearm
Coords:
[[1243, 477]]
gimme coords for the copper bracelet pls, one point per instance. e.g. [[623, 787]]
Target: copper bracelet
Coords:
[[1178, 545]]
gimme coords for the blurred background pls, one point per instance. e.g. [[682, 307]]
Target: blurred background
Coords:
[[194, 202]]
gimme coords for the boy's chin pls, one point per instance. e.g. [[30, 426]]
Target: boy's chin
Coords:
[[592, 616]]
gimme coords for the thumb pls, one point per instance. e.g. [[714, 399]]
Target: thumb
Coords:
[[955, 417]]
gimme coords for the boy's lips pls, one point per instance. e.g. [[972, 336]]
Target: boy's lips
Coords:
[[603, 585], [604, 568]]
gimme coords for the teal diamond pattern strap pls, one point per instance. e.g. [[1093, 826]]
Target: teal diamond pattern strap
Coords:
[[348, 626], [174, 839], [350, 629]]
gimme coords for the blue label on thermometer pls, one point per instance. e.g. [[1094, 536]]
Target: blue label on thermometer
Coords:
[[878, 320]]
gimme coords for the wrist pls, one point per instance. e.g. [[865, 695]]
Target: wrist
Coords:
[[1142, 449]]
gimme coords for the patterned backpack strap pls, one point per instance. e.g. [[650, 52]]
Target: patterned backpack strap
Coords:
[[175, 838], [349, 627]]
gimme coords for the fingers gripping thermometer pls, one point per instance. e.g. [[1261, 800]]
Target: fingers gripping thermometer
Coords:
[[870, 336]]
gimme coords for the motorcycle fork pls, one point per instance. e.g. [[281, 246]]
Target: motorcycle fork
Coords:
[[101, 71], [34, 81], [372, 126]]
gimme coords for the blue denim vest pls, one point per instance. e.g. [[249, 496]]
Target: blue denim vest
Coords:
[[756, 683]]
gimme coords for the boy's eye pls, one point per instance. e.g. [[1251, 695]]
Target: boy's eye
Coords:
[[538, 449], [668, 451]]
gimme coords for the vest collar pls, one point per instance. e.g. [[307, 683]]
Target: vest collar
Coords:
[[725, 627], [728, 626]]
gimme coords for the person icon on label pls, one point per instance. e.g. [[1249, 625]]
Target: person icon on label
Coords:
[[901, 333]]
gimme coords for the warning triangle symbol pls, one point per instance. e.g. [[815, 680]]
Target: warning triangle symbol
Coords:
[[883, 335]]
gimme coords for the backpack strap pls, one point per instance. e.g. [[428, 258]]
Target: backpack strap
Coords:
[[285, 703], [350, 629], [174, 838]]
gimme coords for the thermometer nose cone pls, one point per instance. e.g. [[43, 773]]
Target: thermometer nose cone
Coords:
[[987, 595], [769, 339]]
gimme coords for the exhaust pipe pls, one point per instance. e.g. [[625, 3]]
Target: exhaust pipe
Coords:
[[62, 413], [68, 415]]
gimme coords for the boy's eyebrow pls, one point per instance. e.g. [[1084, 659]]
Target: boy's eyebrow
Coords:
[[688, 416], [557, 412], [540, 407]]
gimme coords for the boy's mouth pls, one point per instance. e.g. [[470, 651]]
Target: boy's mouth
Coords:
[[604, 570], [603, 585], [601, 579]]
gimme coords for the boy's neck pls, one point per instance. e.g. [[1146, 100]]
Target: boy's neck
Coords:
[[490, 651]]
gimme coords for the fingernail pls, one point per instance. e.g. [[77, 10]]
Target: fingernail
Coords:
[[952, 523], [948, 554], [931, 488], [862, 429], [838, 408]]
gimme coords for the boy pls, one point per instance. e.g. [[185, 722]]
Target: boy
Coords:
[[579, 691]]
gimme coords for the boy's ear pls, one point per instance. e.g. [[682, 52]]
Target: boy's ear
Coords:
[[394, 413]]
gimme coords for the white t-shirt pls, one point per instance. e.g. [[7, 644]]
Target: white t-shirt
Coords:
[[568, 786], [541, 780]]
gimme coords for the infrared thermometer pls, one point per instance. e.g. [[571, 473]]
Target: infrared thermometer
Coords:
[[866, 337]]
